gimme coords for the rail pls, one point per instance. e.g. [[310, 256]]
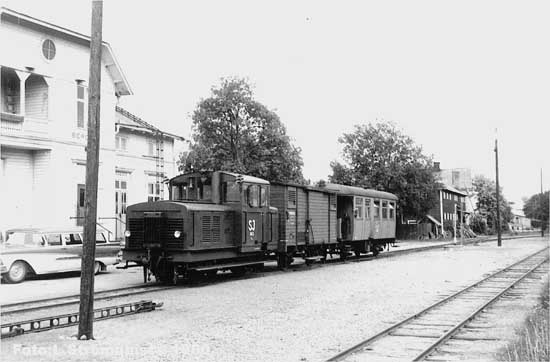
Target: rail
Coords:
[[361, 345], [71, 319]]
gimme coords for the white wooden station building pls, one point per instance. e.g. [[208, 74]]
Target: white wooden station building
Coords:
[[43, 114]]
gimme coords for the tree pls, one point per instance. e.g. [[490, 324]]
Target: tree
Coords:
[[381, 157], [234, 132], [536, 208], [487, 203]]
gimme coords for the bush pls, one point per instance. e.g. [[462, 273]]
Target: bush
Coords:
[[532, 344]]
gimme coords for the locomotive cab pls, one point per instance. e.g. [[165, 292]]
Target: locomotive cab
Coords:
[[213, 220]]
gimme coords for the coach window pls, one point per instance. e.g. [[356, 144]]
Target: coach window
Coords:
[[253, 195], [358, 207], [392, 209], [367, 208], [377, 209], [384, 209]]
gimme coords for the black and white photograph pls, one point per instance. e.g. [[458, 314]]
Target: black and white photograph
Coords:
[[274, 180]]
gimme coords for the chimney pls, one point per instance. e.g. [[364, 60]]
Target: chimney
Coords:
[[436, 166]]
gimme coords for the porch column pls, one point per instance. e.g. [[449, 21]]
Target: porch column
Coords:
[[22, 78]]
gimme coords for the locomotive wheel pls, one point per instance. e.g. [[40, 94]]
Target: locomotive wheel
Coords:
[[375, 250], [357, 253]]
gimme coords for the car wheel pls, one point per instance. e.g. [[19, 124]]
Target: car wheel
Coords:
[[97, 268], [17, 273]]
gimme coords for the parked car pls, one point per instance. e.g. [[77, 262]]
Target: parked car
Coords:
[[26, 252]]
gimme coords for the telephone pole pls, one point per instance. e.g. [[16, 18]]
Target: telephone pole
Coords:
[[542, 223], [86, 312], [499, 237]]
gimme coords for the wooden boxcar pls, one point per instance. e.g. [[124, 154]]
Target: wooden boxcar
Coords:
[[307, 221]]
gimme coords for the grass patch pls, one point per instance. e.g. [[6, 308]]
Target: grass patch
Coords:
[[532, 343]]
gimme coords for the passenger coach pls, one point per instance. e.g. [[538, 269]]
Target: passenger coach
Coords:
[[366, 218]]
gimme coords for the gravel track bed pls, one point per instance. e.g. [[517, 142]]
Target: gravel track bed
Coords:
[[292, 316]]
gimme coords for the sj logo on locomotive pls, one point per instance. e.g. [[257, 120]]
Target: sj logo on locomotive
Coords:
[[251, 225]]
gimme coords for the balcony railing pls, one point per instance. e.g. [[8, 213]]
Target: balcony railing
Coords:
[[19, 125]]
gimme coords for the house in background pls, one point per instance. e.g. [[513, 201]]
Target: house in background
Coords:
[[43, 131], [43, 122], [145, 158], [519, 222]]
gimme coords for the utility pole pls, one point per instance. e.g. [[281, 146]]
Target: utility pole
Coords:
[[499, 237], [542, 223], [454, 226], [86, 312]]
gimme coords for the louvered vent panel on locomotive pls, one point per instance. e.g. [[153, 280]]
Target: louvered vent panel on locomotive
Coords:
[[155, 232]]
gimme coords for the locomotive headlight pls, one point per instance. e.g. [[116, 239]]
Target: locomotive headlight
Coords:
[[177, 234], [127, 233]]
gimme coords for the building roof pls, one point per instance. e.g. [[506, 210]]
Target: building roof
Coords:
[[240, 177], [134, 122], [452, 189], [121, 84], [358, 191]]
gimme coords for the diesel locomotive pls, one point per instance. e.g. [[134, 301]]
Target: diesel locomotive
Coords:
[[221, 220]]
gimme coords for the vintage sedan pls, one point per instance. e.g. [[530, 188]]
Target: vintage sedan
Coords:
[[26, 252]]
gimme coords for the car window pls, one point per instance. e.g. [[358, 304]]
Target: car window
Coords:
[[72, 239], [23, 238], [100, 238], [53, 239]]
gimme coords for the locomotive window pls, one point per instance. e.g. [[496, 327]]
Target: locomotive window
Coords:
[[263, 196], [253, 195], [231, 192], [384, 209], [358, 207], [377, 209], [392, 208], [367, 208]]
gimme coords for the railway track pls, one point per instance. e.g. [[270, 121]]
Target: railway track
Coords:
[[49, 303], [35, 305], [419, 336]]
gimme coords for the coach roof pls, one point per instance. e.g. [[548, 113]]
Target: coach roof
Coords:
[[358, 191]]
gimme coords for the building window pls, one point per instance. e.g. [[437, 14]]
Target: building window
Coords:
[[150, 148], [456, 198], [121, 187], [121, 143], [80, 104], [358, 207], [153, 191], [48, 49]]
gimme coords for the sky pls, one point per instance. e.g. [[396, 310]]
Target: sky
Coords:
[[447, 73]]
